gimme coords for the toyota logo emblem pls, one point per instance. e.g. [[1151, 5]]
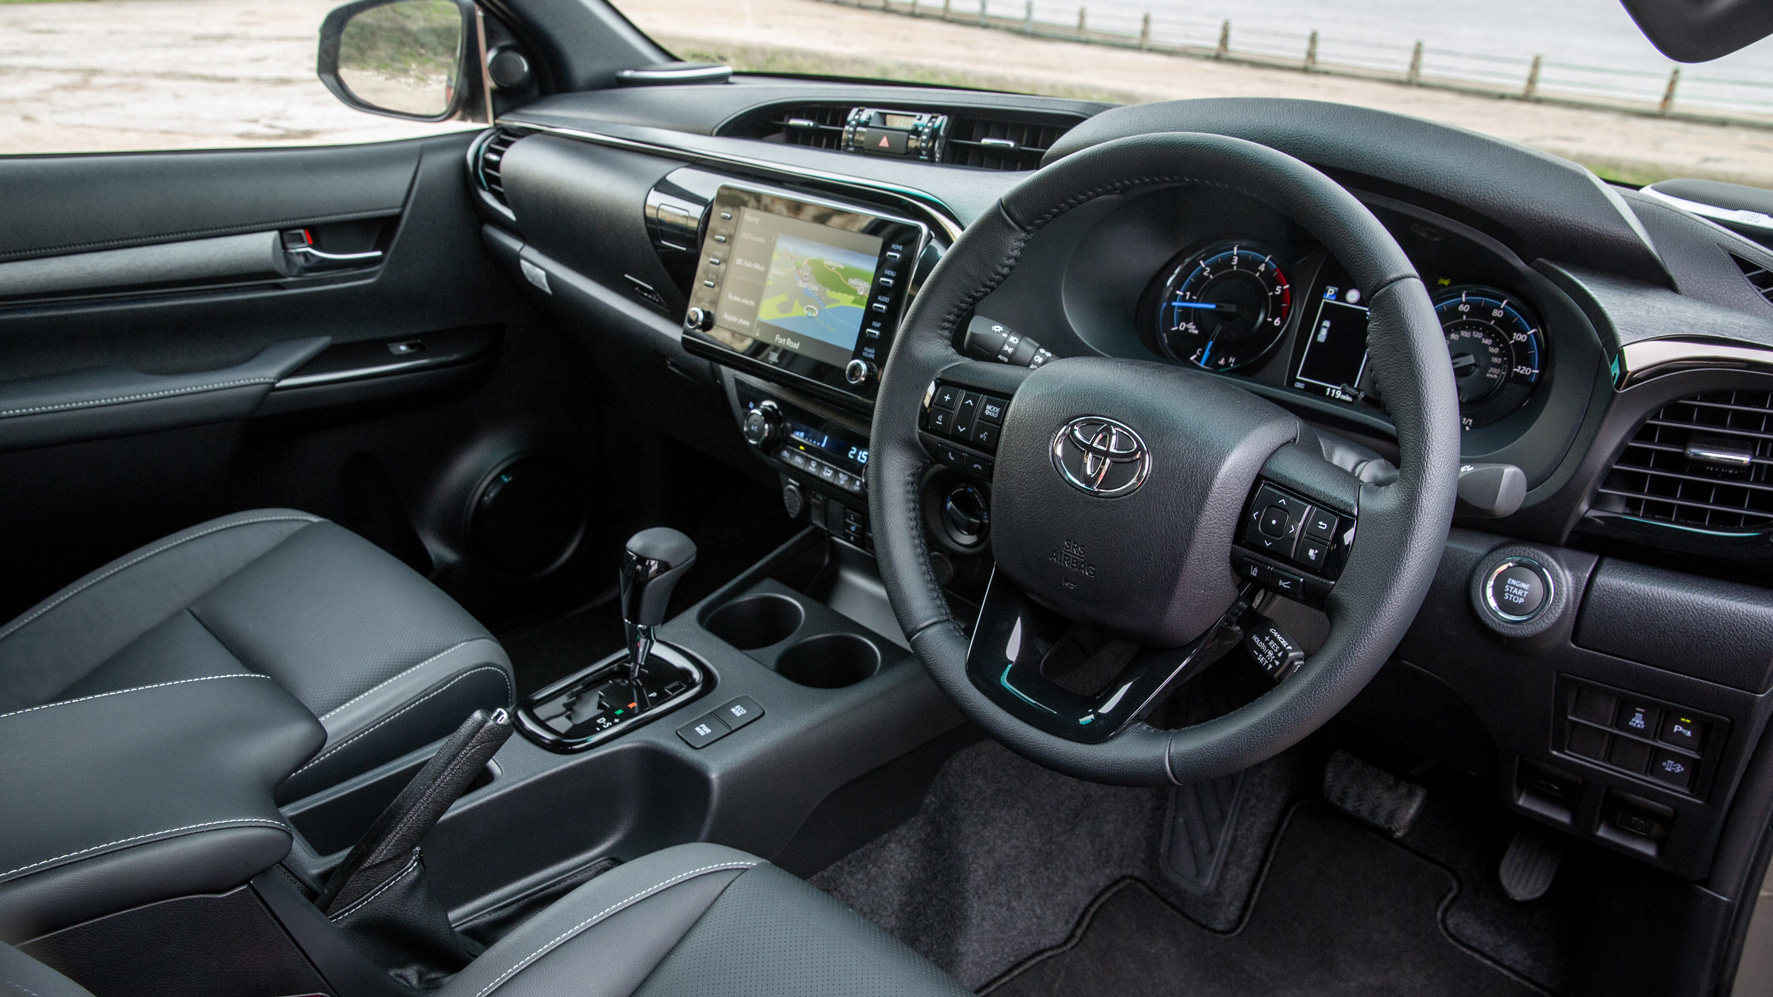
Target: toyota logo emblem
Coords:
[[1101, 456]]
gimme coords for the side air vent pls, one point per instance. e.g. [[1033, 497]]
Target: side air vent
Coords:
[[1759, 276], [488, 164], [1000, 143], [817, 126], [1704, 462]]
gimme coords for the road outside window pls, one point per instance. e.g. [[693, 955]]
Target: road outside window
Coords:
[[124, 75]]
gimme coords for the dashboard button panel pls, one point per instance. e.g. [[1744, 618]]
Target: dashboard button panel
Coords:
[[1666, 744]]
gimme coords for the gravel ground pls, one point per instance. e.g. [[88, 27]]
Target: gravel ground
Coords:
[[112, 75]]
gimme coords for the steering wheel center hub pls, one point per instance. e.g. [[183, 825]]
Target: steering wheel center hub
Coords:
[[1119, 488]]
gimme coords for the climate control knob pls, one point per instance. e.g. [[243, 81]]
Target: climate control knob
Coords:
[[699, 318], [763, 426]]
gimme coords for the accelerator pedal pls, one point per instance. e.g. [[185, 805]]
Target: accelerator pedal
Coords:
[[1531, 861], [1366, 792]]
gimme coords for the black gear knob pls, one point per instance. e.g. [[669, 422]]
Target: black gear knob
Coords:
[[651, 566]]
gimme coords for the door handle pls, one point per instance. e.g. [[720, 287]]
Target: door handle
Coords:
[[300, 256]]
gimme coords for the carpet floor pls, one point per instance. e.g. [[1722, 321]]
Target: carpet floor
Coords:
[[1340, 910]]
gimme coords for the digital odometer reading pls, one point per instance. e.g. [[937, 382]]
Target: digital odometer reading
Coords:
[[1496, 348], [1224, 308]]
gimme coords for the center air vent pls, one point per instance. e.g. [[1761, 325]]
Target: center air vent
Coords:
[[1001, 143], [986, 138], [1704, 462], [817, 126], [489, 161]]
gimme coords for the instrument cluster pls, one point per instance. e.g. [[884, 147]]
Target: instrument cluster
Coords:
[[1230, 305]]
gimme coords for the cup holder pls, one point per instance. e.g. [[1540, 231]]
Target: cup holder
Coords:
[[756, 621], [829, 661]]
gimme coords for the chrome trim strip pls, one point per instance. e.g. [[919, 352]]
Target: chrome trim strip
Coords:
[[1638, 360], [923, 200], [349, 374], [707, 73], [1740, 216]]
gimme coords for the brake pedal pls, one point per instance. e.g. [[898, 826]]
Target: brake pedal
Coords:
[[1371, 794], [1531, 861]]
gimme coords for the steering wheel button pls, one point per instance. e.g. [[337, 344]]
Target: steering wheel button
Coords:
[[985, 435], [991, 410], [1274, 522], [1285, 582], [946, 397], [941, 421], [1320, 524], [1312, 553]]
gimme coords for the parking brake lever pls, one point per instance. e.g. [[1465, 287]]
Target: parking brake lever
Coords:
[[387, 846]]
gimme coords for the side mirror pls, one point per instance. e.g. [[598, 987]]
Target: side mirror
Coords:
[[404, 58]]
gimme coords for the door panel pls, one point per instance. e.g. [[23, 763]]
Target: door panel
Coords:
[[383, 396]]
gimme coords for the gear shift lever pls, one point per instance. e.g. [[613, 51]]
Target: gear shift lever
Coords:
[[652, 564]]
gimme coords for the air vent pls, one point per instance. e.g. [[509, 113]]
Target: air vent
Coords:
[[488, 166], [817, 126], [1000, 143], [1759, 276], [1704, 462]]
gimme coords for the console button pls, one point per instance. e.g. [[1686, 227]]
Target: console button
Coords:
[[1516, 591], [1630, 755], [740, 712], [1587, 742], [1594, 706], [1672, 769], [1683, 732], [1638, 718], [1320, 524], [704, 731]]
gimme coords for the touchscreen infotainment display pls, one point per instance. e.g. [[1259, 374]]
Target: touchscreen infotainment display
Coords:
[[798, 285], [799, 289]]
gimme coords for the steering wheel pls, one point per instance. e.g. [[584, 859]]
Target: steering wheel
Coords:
[[1126, 494]]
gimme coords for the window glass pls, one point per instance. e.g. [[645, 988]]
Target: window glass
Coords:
[[116, 75], [1573, 77]]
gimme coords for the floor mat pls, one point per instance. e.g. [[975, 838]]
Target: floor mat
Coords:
[[1340, 910]]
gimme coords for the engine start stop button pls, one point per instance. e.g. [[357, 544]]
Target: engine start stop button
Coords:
[[1517, 589]]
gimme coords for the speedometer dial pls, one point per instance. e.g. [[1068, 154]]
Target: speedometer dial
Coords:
[[1497, 351], [1224, 308]]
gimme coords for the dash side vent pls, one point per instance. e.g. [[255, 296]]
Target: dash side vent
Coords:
[[489, 165], [816, 126], [1704, 462], [1759, 276]]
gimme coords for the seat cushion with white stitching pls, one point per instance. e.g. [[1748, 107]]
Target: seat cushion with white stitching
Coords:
[[385, 659], [699, 921]]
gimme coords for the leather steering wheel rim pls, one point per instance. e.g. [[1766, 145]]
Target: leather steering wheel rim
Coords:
[[1403, 525]]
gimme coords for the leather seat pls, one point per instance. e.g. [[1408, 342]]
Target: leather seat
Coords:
[[385, 659], [690, 921]]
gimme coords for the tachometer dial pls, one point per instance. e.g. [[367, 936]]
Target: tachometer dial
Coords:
[[1224, 308], [1497, 351]]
